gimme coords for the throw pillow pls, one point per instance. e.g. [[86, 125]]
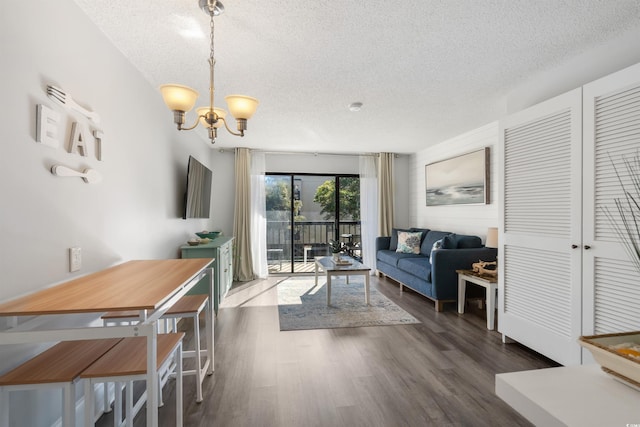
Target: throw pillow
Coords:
[[409, 242], [393, 244], [450, 241], [436, 245]]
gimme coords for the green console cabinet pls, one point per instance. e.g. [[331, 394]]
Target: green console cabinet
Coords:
[[221, 249]]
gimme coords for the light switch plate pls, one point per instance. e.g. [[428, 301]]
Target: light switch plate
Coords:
[[75, 259]]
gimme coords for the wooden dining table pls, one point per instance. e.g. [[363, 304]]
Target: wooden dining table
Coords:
[[148, 286]]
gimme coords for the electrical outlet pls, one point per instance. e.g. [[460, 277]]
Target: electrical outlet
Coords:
[[75, 259]]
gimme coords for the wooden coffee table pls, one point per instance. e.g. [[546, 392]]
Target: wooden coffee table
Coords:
[[331, 268]]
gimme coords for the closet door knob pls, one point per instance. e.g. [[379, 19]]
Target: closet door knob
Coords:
[[574, 246], [587, 247]]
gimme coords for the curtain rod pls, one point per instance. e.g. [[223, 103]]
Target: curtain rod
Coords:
[[307, 153]]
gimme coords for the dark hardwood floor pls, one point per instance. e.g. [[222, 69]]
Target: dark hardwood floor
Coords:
[[437, 373]]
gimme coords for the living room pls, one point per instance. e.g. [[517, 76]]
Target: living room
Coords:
[[135, 211]]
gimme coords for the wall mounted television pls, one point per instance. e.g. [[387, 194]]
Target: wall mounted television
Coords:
[[197, 198]]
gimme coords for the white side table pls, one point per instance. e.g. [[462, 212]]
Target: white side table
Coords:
[[487, 282]]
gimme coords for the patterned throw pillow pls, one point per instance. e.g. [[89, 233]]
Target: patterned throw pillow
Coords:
[[436, 245], [409, 242]]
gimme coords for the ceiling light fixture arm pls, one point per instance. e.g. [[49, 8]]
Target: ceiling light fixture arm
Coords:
[[241, 129], [180, 127], [181, 99]]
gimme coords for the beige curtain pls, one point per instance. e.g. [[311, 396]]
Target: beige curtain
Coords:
[[242, 260], [385, 194]]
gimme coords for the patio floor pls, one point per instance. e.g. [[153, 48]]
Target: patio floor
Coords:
[[284, 267]]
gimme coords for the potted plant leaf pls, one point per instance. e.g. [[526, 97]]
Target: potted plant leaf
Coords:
[[627, 227], [619, 353], [336, 247]]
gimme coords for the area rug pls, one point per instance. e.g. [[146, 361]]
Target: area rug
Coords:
[[302, 305]]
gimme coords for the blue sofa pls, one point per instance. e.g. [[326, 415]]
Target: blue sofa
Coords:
[[432, 275]]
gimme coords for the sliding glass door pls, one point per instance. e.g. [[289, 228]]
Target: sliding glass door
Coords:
[[304, 212], [348, 220], [278, 196]]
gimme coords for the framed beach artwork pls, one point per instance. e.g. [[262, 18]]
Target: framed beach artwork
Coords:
[[461, 180]]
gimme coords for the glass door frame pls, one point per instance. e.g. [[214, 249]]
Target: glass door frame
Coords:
[[291, 256]]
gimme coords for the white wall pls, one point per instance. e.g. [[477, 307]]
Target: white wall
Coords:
[[574, 72], [224, 191], [134, 213], [462, 219], [588, 66]]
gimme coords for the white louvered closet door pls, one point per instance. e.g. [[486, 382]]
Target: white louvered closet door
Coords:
[[540, 233], [611, 110]]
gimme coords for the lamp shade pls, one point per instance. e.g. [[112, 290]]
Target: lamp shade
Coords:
[[178, 97], [219, 112], [492, 238], [241, 107]]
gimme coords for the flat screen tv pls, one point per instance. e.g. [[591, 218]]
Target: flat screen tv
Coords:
[[197, 199]]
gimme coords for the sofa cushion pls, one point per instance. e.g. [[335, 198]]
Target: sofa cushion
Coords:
[[409, 242], [469, 242], [424, 232], [461, 241], [419, 267], [392, 257], [394, 238], [429, 240]]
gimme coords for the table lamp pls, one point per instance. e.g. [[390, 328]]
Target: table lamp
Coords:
[[492, 237]]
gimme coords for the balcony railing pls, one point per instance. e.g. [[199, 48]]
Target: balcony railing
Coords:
[[314, 235]]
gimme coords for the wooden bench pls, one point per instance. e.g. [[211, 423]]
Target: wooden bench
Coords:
[[57, 367], [189, 306], [125, 363]]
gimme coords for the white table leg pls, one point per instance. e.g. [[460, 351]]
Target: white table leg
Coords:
[[129, 403], [178, 362], [152, 374], [4, 407], [462, 292], [366, 287], [491, 306], [328, 288], [68, 405], [316, 271], [88, 402], [209, 325], [196, 338], [117, 403]]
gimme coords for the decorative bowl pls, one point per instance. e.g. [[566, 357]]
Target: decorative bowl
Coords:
[[621, 366], [208, 234], [193, 242]]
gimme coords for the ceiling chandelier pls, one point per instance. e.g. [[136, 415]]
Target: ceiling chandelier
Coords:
[[181, 99]]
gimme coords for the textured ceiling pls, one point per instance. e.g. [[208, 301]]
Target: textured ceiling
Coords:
[[425, 70]]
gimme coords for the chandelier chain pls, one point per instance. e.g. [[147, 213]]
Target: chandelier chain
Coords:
[[212, 60]]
